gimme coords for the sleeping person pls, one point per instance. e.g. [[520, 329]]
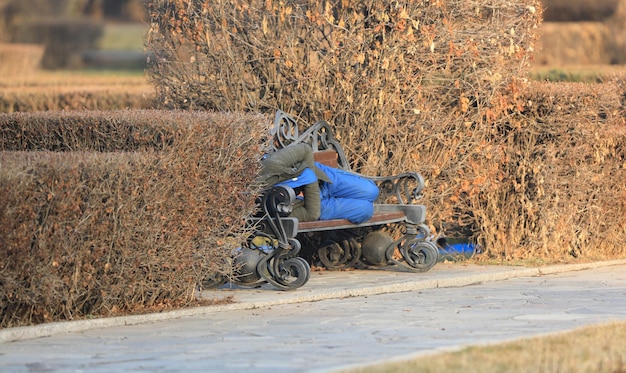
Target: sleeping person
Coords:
[[326, 192]]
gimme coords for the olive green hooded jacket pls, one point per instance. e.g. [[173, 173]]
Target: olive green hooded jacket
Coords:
[[288, 163]]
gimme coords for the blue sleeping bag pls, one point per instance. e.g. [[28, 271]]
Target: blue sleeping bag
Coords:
[[346, 196]]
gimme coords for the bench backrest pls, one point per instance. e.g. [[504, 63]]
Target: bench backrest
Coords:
[[328, 157], [404, 189], [326, 148]]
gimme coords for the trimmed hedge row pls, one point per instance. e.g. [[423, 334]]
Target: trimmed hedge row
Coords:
[[549, 181], [120, 211], [74, 98]]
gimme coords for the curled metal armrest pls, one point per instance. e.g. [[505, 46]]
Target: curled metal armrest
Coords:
[[276, 204], [406, 187], [278, 200]]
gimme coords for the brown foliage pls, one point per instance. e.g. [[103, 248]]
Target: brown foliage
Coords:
[[95, 131], [545, 181], [437, 87], [364, 66], [144, 206], [24, 100], [570, 167]]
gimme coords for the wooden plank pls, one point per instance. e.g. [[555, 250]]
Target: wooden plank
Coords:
[[326, 157], [377, 219]]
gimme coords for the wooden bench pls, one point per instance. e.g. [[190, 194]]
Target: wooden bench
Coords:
[[338, 243], [281, 249]]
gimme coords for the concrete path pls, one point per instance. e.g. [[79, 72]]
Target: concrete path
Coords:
[[337, 320]]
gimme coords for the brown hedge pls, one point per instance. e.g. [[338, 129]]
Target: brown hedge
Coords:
[[93, 232], [94, 98], [567, 171], [438, 87], [66, 90], [20, 59], [362, 65], [575, 43], [100, 131], [546, 181]]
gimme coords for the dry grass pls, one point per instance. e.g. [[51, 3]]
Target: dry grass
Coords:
[[600, 349]]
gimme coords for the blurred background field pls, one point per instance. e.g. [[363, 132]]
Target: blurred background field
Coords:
[[73, 34], [83, 54]]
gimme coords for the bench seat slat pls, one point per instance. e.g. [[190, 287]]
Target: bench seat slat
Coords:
[[376, 219]]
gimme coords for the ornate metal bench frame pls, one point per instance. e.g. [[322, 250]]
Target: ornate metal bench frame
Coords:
[[338, 243]]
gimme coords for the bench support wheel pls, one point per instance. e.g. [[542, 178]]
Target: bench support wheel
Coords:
[[417, 254], [284, 273]]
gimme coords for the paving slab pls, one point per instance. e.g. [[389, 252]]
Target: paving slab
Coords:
[[337, 320]]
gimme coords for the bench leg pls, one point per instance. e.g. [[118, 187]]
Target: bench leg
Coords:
[[418, 254], [285, 272]]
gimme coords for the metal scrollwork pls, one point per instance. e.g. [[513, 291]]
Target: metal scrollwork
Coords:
[[284, 132], [417, 255], [406, 188], [319, 136], [284, 268]]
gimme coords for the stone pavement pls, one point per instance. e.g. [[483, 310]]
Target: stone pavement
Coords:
[[337, 320]]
